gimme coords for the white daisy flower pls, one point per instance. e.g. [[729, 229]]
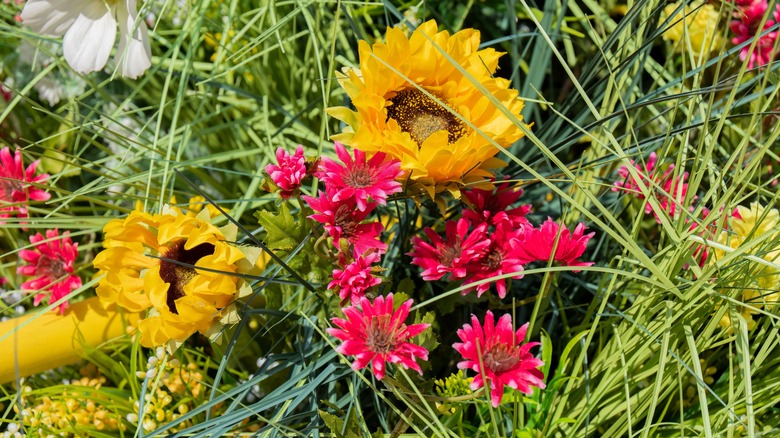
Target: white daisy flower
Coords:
[[89, 29]]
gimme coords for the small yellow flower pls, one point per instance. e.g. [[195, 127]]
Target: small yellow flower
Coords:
[[455, 385], [696, 23], [762, 284], [154, 262], [78, 411], [407, 93]]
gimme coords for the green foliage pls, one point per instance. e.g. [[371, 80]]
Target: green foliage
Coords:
[[339, 427], [283, 231]]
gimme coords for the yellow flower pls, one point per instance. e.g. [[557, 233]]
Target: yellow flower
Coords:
[[753, 223], [399, 92], [151, 262], [699, 25]]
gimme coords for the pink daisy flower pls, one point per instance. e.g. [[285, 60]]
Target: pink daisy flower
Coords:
[[496, 352], [646, 174], [360, 179], [343, 220], [537, 244], [673, 188], [376, 334], [51, 262], [453, 255], [745, 28], [356, 278], [16, 182], [289, 172], [674, 191], [492, 206], [499, 259]]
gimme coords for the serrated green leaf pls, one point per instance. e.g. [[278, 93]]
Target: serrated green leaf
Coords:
[[283, 232], [336, 424], [399, 298], [405, 286], [427, 339]]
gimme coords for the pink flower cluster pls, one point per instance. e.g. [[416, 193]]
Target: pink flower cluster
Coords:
[[353, 189], [52, 259], [376, 334], [667, 188], [491, 239], [746, 26], [672, 193], [486, 242]]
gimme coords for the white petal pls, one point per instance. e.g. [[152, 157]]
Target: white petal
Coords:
[[134, 54], [87, 44], [52, 17]]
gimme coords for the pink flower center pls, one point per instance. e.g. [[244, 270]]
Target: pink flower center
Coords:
[[344, 220], [178, 275], [380, 338], [493, 260], [449, 253], [9, 186], [500, 357], [421, 116], [51, 267], [359, 177]]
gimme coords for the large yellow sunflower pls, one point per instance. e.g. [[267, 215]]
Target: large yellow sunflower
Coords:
[[405, 93], [152, 262]]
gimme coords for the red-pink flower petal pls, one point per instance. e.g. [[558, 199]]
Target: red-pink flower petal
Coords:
[[746, 27], [344, 220], [356, 278], [668, 188], [51, 262], [499, 259], [497, 352], [360, 179], [453, 255], [536, 244], [493, 206], [17, 185], [376, 334], [289, 172]]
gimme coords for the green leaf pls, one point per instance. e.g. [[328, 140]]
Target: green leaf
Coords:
[[427, 339], [405, 286], [336, 424], [283, 232]]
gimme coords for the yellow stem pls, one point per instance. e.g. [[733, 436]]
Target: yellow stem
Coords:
[[38, 342]]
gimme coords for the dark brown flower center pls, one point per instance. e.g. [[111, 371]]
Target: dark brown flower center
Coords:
[[421, 116], [500, 357], [380, 337], [359, 177], [177, 275]]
